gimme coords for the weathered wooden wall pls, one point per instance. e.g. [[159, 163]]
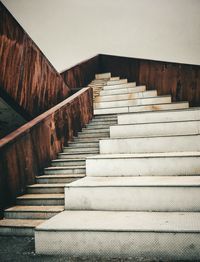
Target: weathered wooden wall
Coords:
[[180, 80], [81, 74], [25, 73], [25, 152]]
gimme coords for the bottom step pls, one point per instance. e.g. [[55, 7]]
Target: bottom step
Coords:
[[18, 227], [163, 235]]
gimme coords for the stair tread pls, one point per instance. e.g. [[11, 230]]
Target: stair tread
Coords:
[[63, 167], [35, 209], [62, 176], [156, 105], [76, 153], [153, 136], [137, 181], [22, 223], [130, 99], [68, 160], [123, 221], [167, 111], [46, 185], [41, 196], [147, 155]]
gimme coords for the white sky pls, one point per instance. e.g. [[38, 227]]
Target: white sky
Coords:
[[69, 31]]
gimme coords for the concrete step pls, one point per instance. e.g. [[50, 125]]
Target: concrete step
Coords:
[[41, 199], [147, 193], [84, 144], [109, 98], [187, 143], [76, 155], [97, 135], [116, 82], [102, 117], [68, 162], [155, 129], [18, 227], [142, 108], [171, 235], [102, 122], [144, 164], [32, 212], [123, 90], [159, 107], [100, 126], [83, 150], [64, 170], [122, 83], [160, 116], [103, 76], [52, 179], [46, 189], [93, 130], [134, 102], [90, 139]]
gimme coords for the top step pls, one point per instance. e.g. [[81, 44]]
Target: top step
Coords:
[[103, 76], [117, 82]]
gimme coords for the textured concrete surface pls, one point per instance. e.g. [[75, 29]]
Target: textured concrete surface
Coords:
[[22, 249]]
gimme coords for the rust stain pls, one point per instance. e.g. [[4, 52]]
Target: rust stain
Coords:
[[25, 152], [25, 73], [181, 81]]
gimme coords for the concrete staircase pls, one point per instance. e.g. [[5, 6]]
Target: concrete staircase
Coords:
[[141, 194], [45, 198]]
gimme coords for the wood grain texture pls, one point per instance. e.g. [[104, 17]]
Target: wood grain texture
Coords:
[[81, 74], [25, 73], [25, 152], [182, 81]]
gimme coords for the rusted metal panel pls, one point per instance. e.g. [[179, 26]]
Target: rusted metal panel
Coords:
[[81, 74], [25, 73], [182, 81], [25, 152]]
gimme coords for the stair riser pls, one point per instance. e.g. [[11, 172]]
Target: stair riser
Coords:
[[135, 109], [55, 180], [100, 126], [144, 198], [158, 107], [126, 96], [153, 144], [47, 190], [110, 117], [109, 244], [121, 91], [81, 150], [116, 83], [64, 163], [154, 166], [107, 118], [66, 171], [134, 102], [153, 117], [97, 135], [41, 202], [94, 131], [102, 123], [29, 215], [91, 144], [74, 156], [156, 129], [12, 231]]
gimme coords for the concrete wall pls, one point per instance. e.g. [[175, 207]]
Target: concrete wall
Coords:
[[69, 31]]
